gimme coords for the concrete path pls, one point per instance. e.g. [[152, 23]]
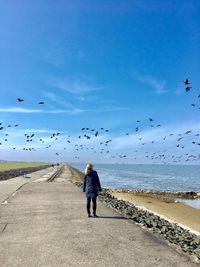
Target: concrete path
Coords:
[[8, 187], [45, 224]]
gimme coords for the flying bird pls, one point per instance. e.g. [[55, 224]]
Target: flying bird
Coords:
[[186, 82], [41, 103], [187, 89], [20, 100], [188, 132]]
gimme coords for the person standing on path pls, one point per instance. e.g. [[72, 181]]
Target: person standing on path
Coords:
[[91, 187]]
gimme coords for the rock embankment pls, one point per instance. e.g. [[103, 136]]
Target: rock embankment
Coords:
[[5, 175], [171, 232]]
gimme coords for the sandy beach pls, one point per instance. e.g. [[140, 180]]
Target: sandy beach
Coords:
[[179, 213]]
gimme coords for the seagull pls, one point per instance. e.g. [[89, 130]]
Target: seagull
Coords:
[[179, 139], [188, 132], [187, 89], [186, 82], [19, 100]]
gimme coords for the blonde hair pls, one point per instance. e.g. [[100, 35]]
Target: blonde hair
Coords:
[[88, 168]]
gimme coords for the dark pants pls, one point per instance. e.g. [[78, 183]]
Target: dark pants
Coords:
[[94, 204]]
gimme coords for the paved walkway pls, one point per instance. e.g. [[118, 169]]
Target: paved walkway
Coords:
[[45, 224], [7, 187]]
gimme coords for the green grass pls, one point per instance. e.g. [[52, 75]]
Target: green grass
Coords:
[[19, 165]]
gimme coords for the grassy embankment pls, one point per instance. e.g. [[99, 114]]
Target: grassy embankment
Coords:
[[19, 165]]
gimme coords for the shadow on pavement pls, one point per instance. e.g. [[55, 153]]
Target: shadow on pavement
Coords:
[[112, 217]]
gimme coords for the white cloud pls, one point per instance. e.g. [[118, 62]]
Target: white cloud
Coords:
[[154, 83], [110, 109], [36, 131], [19, 110], [73, 111], [55, 99], [76, 86]]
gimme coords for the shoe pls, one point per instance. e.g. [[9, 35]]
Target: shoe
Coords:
[[89, 215], [95, 216]]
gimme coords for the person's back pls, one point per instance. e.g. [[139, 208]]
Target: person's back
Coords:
[[91, 186]]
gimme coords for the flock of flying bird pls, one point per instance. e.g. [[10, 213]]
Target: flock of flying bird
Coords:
[[103, 146], [188, 88]]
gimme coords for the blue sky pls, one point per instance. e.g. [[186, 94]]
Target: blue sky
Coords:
[[99, 64]]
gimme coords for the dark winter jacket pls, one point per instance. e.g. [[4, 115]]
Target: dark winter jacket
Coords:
[[91, 184]]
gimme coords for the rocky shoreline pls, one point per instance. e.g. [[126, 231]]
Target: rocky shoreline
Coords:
[[5, 175], [174, 234]]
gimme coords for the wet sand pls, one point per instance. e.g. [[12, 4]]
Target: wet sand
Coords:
[[179, 213]]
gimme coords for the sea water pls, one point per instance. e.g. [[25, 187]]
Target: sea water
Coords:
[[195, 203], [148, 177]]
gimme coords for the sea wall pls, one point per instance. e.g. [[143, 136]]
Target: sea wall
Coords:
[[5, 175], [171, 232]]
